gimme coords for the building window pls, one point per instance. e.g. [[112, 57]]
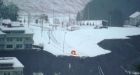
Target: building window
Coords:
[[6, 73], [9, 39], [93, 24], [1, 46], [36, 21], [1, 39], [18, 73], [9, 46], [28, 46], [27, 38], [19, 39], [24, 21], [87, 23], [19, 46]]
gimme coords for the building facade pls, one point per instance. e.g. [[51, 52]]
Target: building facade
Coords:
[[46, 19], [32, 18], [10, 66], [15, 36], [95, 23]]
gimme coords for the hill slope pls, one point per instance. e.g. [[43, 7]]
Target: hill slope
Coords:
[[47, 6], [117, 9]]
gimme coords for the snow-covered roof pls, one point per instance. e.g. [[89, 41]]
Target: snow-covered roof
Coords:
[[12, 28], [135, 15], [6, 21], [27, 31], [11, 60], [16, 24]]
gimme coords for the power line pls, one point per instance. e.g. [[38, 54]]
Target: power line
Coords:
[[100, 70]]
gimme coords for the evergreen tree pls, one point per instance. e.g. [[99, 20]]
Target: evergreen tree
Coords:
[[9, 11], [117, 17], [1, 7]]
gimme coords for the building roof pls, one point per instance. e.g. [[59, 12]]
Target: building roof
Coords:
[[6, 21], [134, 15], [28, 31], [11, 60], [12, 28], [1, 33], [16, 24]]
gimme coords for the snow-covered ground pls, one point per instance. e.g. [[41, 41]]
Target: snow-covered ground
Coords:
[[84, 40]]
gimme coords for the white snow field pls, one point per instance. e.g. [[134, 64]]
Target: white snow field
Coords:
[[84, 40]]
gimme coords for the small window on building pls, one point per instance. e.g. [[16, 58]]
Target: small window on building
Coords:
[[6, 73], [27, 38], [36, 21], [8, 32], [19, 46], [9, 46], [10, 39], [90, 24], [24, 21], [93, 24], [18, 73], [1, 46], [19, 39], [87, 23], [1, 39]]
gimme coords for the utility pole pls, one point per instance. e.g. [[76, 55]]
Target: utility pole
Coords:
[[42, 18], [110, 20], [88, 13], [64, 42], [29, 18], [49, 32], [100, 70]]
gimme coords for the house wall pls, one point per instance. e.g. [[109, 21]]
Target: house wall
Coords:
[[134, 21], [33, 19], [18, 41], [18, 71], [91, 23]]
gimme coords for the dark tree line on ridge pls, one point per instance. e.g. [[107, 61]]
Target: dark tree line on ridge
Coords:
[[115, 11]]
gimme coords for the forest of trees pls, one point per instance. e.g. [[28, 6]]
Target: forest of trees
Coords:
[[8, 11], [115, 11]]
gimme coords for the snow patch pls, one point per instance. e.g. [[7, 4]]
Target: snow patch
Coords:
[[84, 41]]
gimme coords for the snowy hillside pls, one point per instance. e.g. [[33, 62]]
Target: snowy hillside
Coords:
[[59, 6], [84, 41]]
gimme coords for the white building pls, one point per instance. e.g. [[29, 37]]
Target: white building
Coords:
[[10, 66], [134, 19], [96, 23], [52, 19], [14, 36], [32, 18]]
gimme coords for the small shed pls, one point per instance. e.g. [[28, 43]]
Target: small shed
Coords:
[[134, 19]]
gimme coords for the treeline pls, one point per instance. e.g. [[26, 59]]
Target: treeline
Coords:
[[8, 11], [115, 11]]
